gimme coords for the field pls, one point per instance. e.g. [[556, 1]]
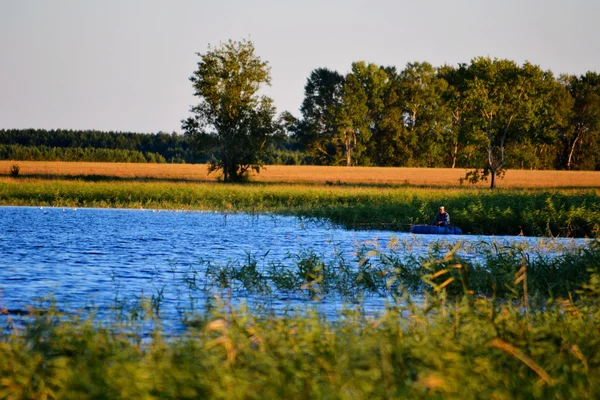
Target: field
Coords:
[[432, 177]]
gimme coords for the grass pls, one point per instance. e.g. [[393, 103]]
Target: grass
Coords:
[[505, 211], [481, 269], [374, 176], [456, 343]]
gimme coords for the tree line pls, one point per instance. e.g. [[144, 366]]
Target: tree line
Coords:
[[91, 145], [489, 114], [98, 146], [90, 154]]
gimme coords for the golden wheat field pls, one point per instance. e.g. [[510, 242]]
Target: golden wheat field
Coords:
[[305, 174]]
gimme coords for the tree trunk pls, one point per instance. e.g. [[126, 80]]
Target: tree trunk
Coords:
[[495, 165], [348, 151], [493, 178], [571, 151], [225, 168], [455, 152]]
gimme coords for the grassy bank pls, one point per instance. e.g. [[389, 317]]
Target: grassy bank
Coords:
[[479, 211]]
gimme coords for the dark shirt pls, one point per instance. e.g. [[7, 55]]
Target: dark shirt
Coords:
[[443, 218]]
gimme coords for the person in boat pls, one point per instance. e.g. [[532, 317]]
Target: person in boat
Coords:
[[442, 218]]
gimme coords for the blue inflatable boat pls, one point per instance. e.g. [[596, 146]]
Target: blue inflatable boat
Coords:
[[436, 230]]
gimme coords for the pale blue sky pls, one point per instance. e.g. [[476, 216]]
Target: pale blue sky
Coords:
[[124, 64]]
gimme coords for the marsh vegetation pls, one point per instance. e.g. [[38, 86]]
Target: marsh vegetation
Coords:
[[454, 342], [531, 212]]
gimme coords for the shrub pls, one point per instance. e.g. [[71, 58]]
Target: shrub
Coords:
[[14, 170]]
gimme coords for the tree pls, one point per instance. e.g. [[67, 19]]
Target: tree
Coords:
[[389, 145], [316, 129], [338, 113], [425, 115], [453, 96], [583, 132], [507, 104], [232, 121], [356, 113]]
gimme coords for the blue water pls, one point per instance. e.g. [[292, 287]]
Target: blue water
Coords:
[[92, 257]]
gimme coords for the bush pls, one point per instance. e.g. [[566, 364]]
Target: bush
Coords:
[[14, 170]]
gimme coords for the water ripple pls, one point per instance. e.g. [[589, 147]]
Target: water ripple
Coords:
[[92, 255]]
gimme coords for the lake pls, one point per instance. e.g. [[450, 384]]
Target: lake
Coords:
[[95, 257]]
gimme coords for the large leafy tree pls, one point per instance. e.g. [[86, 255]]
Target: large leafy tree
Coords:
[[387, 146], [316, 128], [543, 150], [339, 113], [232, 121], [579, 139], [426, 117], [455, 105], [359, 110], [507, 105]]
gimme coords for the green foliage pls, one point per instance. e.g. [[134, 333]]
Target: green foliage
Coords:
[[489, 115], [354, 113], [390, 272], [316, 130], [580, 133], [507, 103], [232, 121], [426, 117], [286, 157]]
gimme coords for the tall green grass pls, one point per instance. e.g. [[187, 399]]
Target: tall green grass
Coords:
[[446, 346], [477, 211]]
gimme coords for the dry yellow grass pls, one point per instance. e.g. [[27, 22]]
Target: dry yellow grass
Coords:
[[308, 174]]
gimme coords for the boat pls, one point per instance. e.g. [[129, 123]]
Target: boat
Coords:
[[436, 230]]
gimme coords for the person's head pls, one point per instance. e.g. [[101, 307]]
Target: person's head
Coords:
[[442, 209]]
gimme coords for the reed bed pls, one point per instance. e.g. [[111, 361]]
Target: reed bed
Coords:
[[487, 269], [434, 177], [454, 343], [477, 211], [372, 275]]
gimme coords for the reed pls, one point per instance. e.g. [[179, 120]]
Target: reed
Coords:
[[443, 347], [477, 211], [485, 269]]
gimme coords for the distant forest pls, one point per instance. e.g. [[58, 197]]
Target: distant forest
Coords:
[[73, 145], [98, 146], [488, 112]]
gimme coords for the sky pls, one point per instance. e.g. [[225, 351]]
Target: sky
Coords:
[[124, 65]]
